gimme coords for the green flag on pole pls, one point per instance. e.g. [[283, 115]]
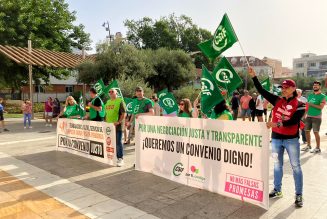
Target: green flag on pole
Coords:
[[167, 101], [223, 39], [129, 105], [225, 76], [266, 84], [114, 85], [99, 87], [81, 105], [210, 93]]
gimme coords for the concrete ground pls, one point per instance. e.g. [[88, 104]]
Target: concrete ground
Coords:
[[99, 191]]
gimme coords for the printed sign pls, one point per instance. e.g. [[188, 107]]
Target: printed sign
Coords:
[[94, 140]]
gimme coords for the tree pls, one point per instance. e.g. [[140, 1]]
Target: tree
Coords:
[[48, 24]]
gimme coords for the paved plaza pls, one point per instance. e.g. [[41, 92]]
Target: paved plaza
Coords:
[[45, 183]]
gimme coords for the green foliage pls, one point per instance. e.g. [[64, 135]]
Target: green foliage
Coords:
[[48, 24], [186, 92], [38, 107], [128, 85]]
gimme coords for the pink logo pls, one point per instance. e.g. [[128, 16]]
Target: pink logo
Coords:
[[195, 170]]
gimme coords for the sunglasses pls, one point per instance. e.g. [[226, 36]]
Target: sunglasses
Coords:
[[111, 91], [138, 91], [181, 104]]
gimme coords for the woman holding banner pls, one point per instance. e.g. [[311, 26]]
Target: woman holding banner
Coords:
[[185, 108], [71, 109], [286, 116]]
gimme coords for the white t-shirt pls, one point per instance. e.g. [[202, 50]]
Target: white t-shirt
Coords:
[[302, 99], [259, 103]]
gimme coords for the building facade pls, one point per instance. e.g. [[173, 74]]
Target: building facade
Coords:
[[310, 65]]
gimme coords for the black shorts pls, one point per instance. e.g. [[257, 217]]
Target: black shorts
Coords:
[[258, 112], [1, 116], [265, 111]]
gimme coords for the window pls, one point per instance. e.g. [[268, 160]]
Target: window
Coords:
[[312, 64], [299, 65], [69, 89], [39, 89], [323, 64]]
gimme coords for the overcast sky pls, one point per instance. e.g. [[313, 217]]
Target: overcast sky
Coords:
[[280, 29]]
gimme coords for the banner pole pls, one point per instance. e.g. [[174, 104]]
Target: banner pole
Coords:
[[244, 53]]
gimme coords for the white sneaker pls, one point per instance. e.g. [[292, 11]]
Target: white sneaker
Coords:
[[30, 127], [50, 125], [315, 150], [24, 127], [120, 162]]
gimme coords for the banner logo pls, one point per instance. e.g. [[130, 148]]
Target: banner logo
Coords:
[[178, 169], [224, 76], [206, 89], [108, 130], [220, 39], [168, 102]]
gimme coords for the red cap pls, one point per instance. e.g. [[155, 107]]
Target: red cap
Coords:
[[289, 83]]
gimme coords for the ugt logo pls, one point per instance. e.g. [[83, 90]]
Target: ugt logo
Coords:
[[224, 76], [220, 39], [207, 86], [178, 169]]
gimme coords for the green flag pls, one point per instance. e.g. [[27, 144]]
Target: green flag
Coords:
[[99, 87], [223, 39], [129, 105], [266, 84], [114, 85], [167, 101], [210, 93], [225, 76], [81, 105]]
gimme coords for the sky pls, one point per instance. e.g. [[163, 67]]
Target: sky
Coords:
[[279, 29]]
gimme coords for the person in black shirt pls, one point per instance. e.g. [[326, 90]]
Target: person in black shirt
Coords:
[[235, 104], [96, 107], [252, 106]]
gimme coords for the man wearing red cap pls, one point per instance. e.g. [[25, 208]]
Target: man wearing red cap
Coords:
[[286, 116]]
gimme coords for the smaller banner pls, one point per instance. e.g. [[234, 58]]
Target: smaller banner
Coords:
[[90, 139]]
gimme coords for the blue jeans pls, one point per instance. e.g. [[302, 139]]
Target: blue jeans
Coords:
[[27, 116], [119, 144], [292, 147]]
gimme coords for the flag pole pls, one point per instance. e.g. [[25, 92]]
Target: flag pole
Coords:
[[244, 53]]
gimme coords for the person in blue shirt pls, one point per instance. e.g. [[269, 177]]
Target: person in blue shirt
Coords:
[[2, 120]]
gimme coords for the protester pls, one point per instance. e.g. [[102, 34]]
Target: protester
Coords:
[[2, 119], [27, 111], [56, 107], [185, 108], [142, 106], [252, 106], [316, 102], [245, 109], [115, 113], [303, 100], [235, 104], [259, 108], [71, 109], [196, 112], [265, 108], [156, 107], [286, 116], [221, 112], [97, 111], [48, 108]]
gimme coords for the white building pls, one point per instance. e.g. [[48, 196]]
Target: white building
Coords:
[[310, 65]]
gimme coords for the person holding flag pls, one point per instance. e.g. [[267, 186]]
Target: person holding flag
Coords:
[[286, 116], [71, 109], [116, 113], [97, 111], [81, 106]]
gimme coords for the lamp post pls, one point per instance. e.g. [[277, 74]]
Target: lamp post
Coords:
[[107, 26]]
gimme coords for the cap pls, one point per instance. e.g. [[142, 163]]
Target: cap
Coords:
[[289, 83], [138, 88]]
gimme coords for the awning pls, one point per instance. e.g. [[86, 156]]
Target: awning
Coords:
[[46, 58]]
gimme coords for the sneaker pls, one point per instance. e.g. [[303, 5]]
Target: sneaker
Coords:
[[6, 130], [315, 150], [50, 125], [275, 194], [120, 162], [30, 127], [298, 201], [127, 142], [307, 148], [24, 127]]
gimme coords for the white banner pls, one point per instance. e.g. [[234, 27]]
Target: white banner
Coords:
[[226, 157], [93, 140]]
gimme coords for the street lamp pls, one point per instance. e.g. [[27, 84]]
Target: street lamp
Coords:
[[107, 26]]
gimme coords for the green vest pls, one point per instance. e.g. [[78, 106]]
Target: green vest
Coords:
[[316, 99], [93, 112], [71, 110], [112, 110], [185, 115]]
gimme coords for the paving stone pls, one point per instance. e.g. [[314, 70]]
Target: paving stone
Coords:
[[102, 208], [123, 213], [179, 209]]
